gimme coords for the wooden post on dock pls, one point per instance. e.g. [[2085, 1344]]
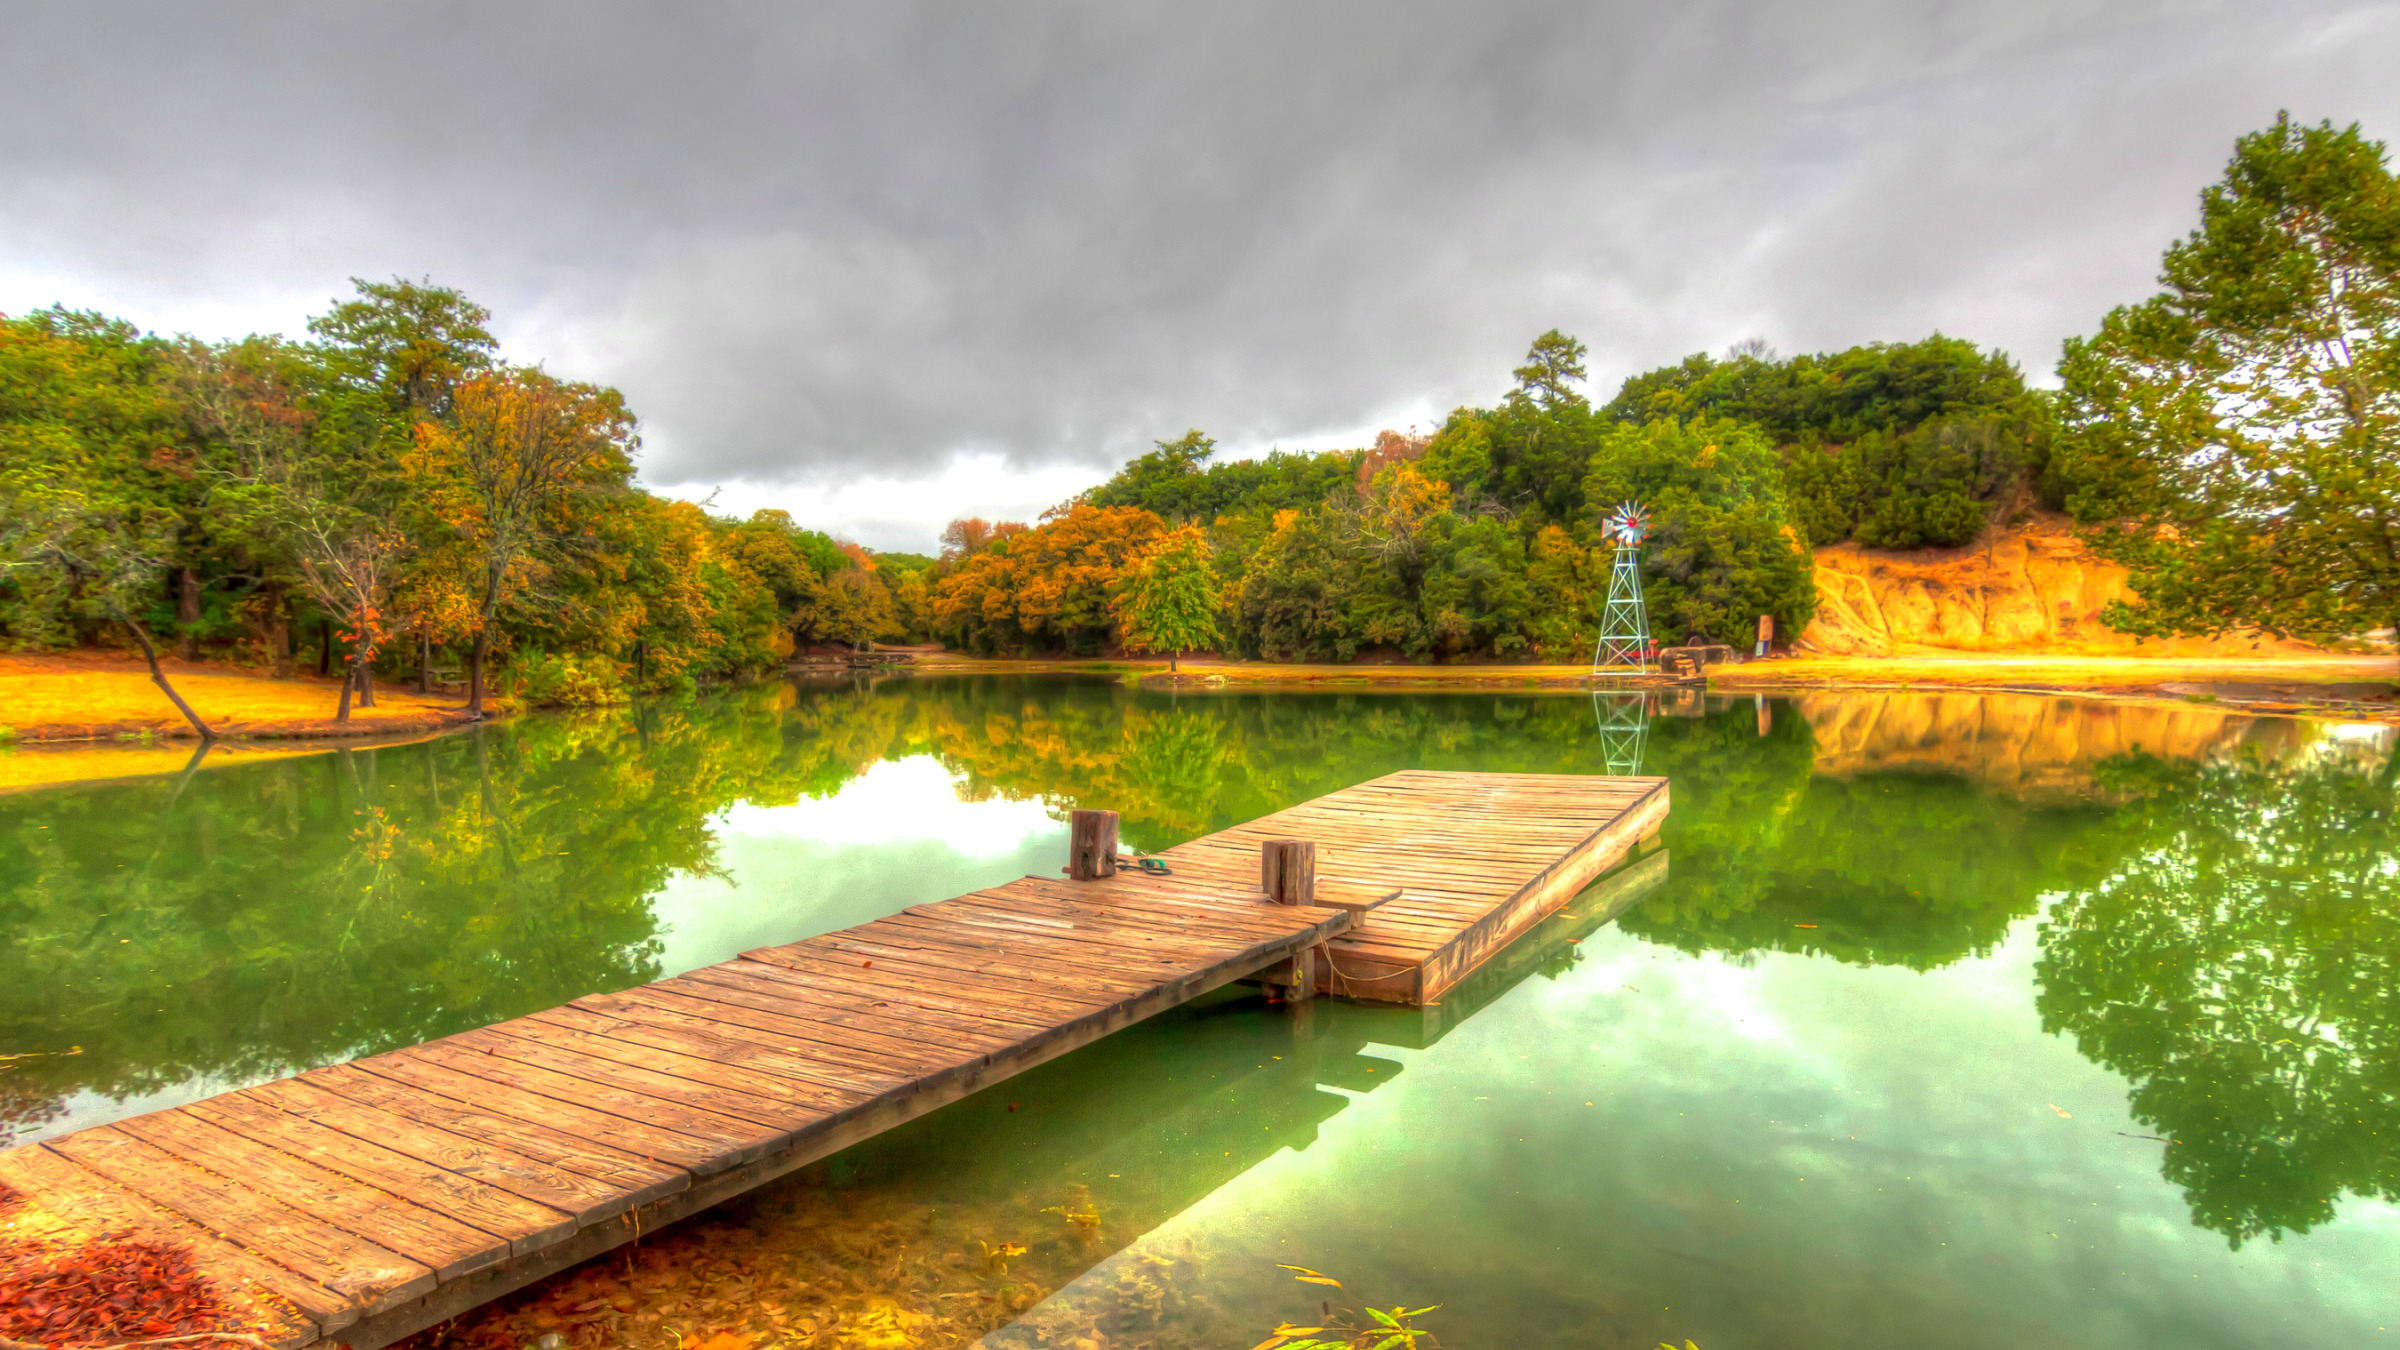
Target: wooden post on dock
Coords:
[[1294, 980], [1287, 871], [1091, 845]]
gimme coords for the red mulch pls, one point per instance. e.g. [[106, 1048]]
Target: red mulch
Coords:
[[115, 1289]]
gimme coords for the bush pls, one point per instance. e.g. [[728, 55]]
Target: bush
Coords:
[[564, 680]]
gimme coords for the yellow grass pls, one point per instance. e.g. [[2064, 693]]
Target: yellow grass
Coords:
[[40, 692]]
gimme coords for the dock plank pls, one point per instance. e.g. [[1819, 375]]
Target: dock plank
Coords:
[[77, 1205], [372, 1277], [352, 1140], [440, 1243]]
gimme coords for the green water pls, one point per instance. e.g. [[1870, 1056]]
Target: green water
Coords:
[[1955, 1021]]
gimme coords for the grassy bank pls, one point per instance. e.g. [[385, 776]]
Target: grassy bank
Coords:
[[103, 696]]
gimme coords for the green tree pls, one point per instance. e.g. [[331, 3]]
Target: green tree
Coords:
[[2245, 422], [1177, 482], [498, 474], [1166, 601], [852, 607], [103, 559], [84, 401], [404, 347], [1553, 361], [1528, 456], [1899, 445], [297, 490], [1721, 550]]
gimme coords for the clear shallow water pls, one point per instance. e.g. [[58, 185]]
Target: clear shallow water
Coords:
[[1872, 1065]]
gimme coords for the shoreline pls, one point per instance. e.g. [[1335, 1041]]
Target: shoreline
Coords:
[[59, 752], [2283, 685]]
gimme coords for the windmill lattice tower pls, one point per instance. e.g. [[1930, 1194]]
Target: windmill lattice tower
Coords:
[[1624, 619]]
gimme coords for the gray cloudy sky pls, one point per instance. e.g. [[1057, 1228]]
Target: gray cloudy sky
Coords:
[[883, 264]]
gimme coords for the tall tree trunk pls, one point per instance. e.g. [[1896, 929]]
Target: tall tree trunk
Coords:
[[483, 640], [159, 678], [341, 711], [325, 649], [1172, 658], [279, 631], [366, 680], [424, 659], [483, 647], [187, 613]]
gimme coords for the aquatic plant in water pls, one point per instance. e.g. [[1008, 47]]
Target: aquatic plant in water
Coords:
[[1384, 1328]]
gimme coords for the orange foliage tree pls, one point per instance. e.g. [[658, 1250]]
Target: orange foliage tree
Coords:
[[1048, 588]]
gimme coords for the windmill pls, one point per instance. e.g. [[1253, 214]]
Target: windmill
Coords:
[[1624, 620]]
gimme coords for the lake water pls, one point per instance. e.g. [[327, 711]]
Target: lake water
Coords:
[[1974, 1021]]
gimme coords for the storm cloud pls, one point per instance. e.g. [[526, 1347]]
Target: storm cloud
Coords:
[[885, 263]]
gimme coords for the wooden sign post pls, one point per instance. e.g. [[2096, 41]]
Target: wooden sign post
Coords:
[[1091, 845]]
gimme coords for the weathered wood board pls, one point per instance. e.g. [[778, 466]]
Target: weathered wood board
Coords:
[[363, 1201]]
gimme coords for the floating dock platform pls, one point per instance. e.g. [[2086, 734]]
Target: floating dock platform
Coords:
[[364, 1201]]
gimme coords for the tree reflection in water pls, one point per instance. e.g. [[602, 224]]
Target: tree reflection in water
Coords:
[[2226, 938], [2239, 963]]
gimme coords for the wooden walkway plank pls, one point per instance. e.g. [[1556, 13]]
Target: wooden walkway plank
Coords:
[[825, 1085], [434, 1240], [574, 1176], [279, 1305], [439, 1091], [1029, 1003], [868, 1049], [341, 1137], [628, 1118], [905, 1008], [739, 1035], [373, 1277], [901, 1030], [747, 1112]]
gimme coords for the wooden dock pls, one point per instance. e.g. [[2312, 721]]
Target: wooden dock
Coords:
[[363, 1201], [1453, 865]]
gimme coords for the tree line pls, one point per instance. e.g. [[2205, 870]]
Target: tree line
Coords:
[[2234, 441], [394, 487], [390, 493]]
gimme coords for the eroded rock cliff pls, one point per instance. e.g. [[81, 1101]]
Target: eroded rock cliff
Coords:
[[2033, 587]]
